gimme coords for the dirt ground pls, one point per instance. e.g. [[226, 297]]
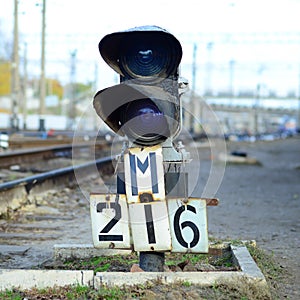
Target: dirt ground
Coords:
[[257, 202], [262, 202]]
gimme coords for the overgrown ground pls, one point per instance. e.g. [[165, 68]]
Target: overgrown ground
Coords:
[[219, 260], [155, 289], [150, 291], [257, 202]]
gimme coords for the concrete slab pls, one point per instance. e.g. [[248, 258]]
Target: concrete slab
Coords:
[[26, 279], [234, 159], [199, 278], [244, 260], [241, 257]]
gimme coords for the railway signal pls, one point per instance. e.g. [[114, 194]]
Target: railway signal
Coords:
[[145, 106], [150, 211]]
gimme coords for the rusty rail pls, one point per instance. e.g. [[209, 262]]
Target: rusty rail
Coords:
[[42, 153]]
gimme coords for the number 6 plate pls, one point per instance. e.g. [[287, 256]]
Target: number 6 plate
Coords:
[[188, 225]]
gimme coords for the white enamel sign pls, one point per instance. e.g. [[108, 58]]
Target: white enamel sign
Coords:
[[188, 225], [150, 226], [144, 173], [155, 226], [109, 216]]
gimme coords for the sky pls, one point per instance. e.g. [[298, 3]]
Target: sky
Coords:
[[79, 25], [190, 16]]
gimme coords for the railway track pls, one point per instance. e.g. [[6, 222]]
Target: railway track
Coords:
[[36, 180], [40, 210], [26, 162], [56, 212], [29, 155], [15, 193], [33, 139], [48, 208]]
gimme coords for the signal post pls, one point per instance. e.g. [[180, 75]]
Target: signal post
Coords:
[[150, 212]]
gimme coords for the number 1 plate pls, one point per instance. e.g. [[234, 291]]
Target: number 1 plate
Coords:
[[150, 226]]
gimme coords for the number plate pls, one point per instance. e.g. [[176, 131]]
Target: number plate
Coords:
[[150, 226], [188, 225], [144, 173], [155, 226], [110, 228]]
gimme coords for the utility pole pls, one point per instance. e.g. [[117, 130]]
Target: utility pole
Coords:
[[193, 98], [42, 78], [231, 78], [209, 65], [72, 104], [95, 77], [256, 128], [256, 109], [194, 66], [95, 88], [25, 89], [298, 121], [15, 73]]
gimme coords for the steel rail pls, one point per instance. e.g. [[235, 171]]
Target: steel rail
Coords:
[[34, 180], [29, 155]]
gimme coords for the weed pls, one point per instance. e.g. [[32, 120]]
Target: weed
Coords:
[[266, 262], [224, 261], [81, 289], [102, 263], [10, 294], [102, 268], [186, 283], [241, 289], [120, 263]]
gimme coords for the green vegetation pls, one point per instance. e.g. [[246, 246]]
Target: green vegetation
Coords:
[[272, 270], [117, 263], [150, 290], [240, 290], [120, 263]]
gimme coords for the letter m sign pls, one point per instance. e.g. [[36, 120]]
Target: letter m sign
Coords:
[[144, 173]]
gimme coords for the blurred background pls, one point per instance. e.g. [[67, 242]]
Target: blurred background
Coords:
[[242, 57]]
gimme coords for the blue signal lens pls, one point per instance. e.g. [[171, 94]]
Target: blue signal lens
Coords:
[[145, 123], [147, 58]]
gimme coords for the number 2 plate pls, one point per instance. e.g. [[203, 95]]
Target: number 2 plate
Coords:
[[109, 218]]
